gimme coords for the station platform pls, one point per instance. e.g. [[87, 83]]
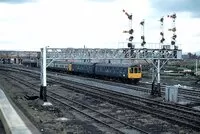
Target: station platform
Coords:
[[13, 120]]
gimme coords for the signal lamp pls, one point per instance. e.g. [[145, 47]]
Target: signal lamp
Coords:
[[130, 45], [142, 23], [131, 31], [143, 43], [130, 38], [130, 17], [162, 40], [172, 42], [173, 16], [142, 37], [162, 19], [174, 36], [174, 29]]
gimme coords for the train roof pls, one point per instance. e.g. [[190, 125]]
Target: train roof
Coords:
[[60, 61], [114, 65], [82, 63], [98, 64]]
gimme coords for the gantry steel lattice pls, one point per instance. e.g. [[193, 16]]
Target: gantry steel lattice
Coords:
[[112, 54], [159, 54], [19, 54]]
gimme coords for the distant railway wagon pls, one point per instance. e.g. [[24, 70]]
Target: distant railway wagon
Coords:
[[28, 62], [129, 72], [85, 68], [60, 66]]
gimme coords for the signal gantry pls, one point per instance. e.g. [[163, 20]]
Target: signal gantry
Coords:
[[154, 55]]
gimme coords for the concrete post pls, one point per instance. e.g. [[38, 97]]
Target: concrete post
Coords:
[[196, 66], [41, 75], [43, 88], [158, 82], [44, 75]]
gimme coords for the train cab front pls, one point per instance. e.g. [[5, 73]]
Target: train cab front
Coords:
[[134, 73]]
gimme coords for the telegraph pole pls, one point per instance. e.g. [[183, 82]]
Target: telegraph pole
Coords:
[[196, 66]]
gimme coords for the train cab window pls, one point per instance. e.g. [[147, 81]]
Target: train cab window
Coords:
[[139, 70], [131, 70], [135, 70]]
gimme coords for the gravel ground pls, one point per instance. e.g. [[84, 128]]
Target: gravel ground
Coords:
[[49, 120], [2, 129], [60, 119], [175, 80]]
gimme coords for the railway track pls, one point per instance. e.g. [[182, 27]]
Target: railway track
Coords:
[[96, 115], [180, 114], [189, 94], [174, 113], [192, 95]]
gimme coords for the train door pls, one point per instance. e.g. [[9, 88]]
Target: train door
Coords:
[[130, 73], [70, 67]]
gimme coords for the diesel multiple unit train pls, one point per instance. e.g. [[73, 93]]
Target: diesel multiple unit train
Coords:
[[126, 72]]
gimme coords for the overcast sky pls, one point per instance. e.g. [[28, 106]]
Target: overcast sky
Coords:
[[30, 25]]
